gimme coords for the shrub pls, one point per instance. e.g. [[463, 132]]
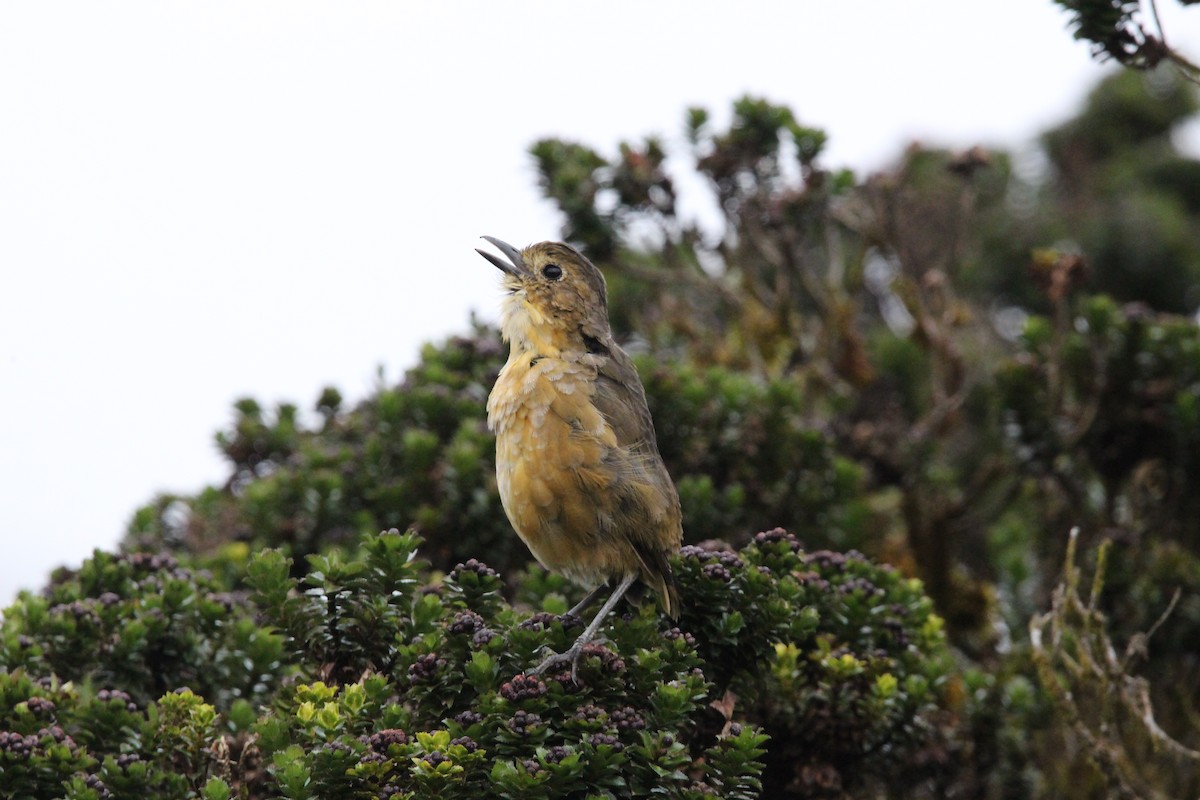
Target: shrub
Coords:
[[146, 625], [419, 455], [396, 686]]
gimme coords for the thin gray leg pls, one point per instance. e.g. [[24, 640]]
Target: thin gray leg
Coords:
[[587, 601], [589, 633]]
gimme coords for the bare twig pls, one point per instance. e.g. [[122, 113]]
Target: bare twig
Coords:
[[1095, 693]]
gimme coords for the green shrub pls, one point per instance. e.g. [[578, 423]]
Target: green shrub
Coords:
[[67, 740], [784, 665], [146, 625], [786, 633], [419, 455], [840, 357]]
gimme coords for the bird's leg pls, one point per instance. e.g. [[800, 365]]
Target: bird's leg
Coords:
[[573, 652], [587, 601]]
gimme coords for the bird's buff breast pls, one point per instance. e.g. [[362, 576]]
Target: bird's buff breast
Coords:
[[551, 443]]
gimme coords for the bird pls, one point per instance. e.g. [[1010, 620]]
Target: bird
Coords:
[[578, 468]]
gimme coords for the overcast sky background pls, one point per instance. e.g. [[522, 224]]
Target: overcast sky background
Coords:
[[206, 200]]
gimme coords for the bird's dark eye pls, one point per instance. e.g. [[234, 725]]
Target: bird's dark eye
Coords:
[[552, 271]]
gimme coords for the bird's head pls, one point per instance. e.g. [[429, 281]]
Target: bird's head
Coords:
[[556, 299]]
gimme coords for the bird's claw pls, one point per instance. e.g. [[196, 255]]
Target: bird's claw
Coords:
[[569, 620], [571, 655]]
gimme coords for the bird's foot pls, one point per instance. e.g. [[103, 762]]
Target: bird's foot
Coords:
[[569, 656], [571, 620], [572, 655]]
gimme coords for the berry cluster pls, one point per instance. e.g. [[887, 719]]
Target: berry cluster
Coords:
[[24, 745], [40, 707], [473, 565], [426, 668], [110, 695], [524, 723], [627, 719], [522, 687], [777, 535], [605, 740], [466, 742]]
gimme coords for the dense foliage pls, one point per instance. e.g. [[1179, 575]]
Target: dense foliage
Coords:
[[945, 366], [420, 455], [397, 687]]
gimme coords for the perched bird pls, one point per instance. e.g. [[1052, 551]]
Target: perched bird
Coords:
[[577, 463]]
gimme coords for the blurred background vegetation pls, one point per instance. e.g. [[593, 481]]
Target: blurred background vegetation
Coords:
[[947, 366]]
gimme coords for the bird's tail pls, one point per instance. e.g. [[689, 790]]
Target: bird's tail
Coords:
[[670, 596], [658, 576]]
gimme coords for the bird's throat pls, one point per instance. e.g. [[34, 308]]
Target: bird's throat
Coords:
[[528, 330]]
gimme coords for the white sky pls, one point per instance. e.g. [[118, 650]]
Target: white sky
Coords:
[[206, 200]]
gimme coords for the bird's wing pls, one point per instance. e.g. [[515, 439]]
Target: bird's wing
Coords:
[[621, 400], [649, 506]]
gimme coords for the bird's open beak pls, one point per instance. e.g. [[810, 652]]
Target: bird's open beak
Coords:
[[517, 266]]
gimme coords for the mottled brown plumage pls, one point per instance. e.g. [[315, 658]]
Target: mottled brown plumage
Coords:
[[576, 460]]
